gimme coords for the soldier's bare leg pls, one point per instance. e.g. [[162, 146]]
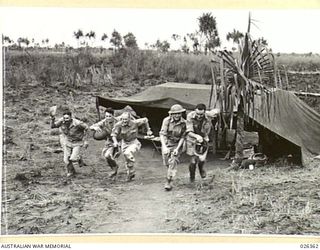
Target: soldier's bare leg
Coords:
[[192, 168], [108, 155], [202, 170], [67, 151]]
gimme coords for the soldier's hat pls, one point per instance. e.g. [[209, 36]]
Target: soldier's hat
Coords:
[[176, 108], [201, 148]]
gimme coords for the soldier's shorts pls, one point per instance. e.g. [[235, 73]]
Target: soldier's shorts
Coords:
[[171, 161], [71, 150], [129, 149], [107, 151]]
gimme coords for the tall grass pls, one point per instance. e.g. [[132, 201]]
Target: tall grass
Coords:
[[77, 68], [46, 68], [43, 67], [299, 62], [172, 66]]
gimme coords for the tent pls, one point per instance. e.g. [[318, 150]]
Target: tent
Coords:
[[164, 95], [283, 113], [155, 101], [289, 117]]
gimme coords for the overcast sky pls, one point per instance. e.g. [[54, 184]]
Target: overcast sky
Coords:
[[285, 30]]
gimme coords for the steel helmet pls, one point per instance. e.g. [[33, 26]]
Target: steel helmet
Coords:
[[201, 148], [176, 108]]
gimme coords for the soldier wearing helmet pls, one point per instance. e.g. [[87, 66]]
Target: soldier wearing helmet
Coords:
[[172, 134]]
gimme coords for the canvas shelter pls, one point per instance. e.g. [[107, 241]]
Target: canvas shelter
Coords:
[[289, 117], [283, 113], [155, 101]]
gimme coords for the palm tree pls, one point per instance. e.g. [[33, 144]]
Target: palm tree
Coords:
[[262, 41], [130, 41], [91, 35], [116, 39], [235, 35], [78, 34], [195, 42], [47, 42], [6, 40], [242, 75], [26, 41], [208, 28]]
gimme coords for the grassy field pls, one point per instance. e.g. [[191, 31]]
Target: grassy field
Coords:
[[299, 62], [136, 65]]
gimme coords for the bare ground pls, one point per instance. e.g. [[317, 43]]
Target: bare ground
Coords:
[[38, 199]]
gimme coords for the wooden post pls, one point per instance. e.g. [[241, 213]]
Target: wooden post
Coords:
[[279, 77], [287, 79], [222, 72], [275, 74], [222, 86], [97, 107], [213, 87]]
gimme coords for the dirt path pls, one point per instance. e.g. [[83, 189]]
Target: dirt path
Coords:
[[143, 206]]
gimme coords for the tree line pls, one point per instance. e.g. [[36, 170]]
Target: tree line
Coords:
[[204, 40]]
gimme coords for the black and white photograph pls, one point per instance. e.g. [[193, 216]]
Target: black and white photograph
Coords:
[[160, 121]]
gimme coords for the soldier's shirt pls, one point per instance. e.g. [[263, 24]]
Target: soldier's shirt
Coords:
[[200, 127], [173, 131], [74, 132], [128, 132]]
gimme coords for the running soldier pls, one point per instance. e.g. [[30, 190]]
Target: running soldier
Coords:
[[73, 137], [105, 127], [172, 135], [127, 131], [199, 124]]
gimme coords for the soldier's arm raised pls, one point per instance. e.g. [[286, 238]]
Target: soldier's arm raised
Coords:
[[54, 124]]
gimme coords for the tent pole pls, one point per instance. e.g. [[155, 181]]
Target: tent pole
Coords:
[[213, 85], [97, 107]]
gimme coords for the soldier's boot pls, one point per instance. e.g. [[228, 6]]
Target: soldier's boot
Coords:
[[192, 171], [70, 169], [202, 170], [114, 166], [114, 173], [168, 185], [130, 173], [131, 176], [81, 163]]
